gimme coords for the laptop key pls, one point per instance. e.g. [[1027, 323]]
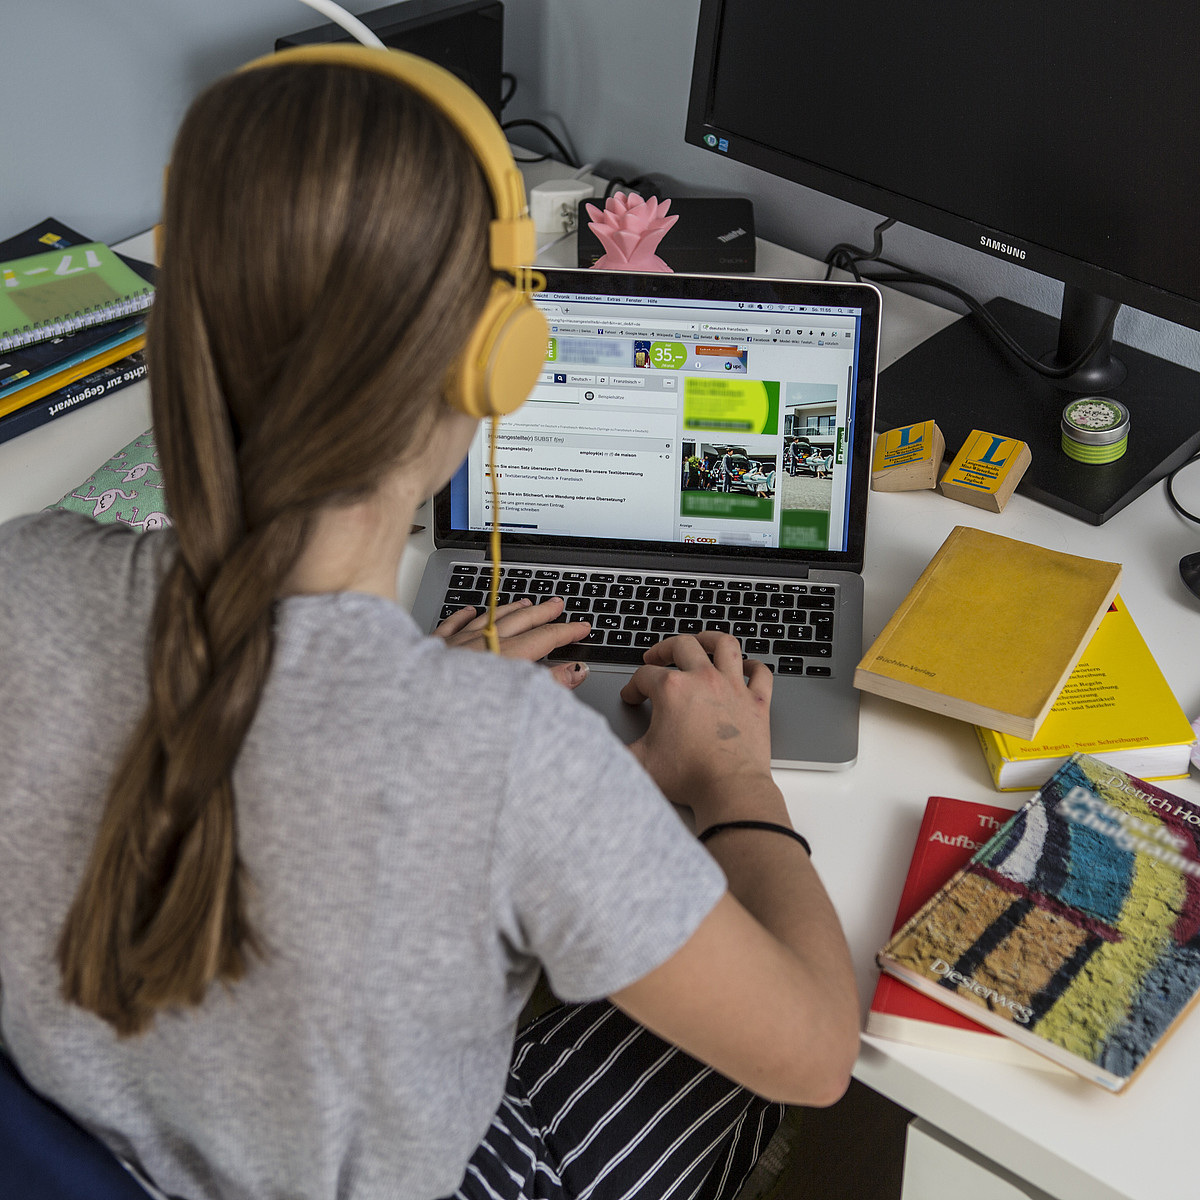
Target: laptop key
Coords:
[[582, 652], [620, 637], [663, 624], [642, 640], [791, 666], [813, 649], [817, 669], [753, 645]]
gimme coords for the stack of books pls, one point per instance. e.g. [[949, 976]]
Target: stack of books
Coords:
[[72, 324], [1072, 931]]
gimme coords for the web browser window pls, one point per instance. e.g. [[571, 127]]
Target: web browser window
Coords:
[[670, 420]]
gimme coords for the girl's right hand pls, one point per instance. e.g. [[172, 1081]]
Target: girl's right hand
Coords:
[[709, 742]]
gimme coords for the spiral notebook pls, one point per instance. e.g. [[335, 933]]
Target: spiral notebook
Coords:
[[47, 295]]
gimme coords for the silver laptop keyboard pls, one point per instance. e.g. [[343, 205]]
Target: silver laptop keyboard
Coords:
[[789, 626]]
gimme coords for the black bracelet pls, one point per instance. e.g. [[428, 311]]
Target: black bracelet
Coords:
[[769, 826]]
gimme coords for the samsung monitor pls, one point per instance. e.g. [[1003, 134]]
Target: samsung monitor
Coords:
[[1056, 136]]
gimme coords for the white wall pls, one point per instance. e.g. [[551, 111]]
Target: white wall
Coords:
[[92, 91]]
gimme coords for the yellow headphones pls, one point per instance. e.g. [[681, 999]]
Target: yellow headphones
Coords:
[[506, 349]]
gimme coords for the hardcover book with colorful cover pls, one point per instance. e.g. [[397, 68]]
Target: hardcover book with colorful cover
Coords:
[[990, 631], [101, 382], [951, 831], [1076, 929], [1116, 705]]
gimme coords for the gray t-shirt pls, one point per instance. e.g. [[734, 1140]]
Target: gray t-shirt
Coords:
[[421, 826]]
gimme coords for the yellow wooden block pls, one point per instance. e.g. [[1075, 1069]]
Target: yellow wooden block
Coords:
[[985, 470]]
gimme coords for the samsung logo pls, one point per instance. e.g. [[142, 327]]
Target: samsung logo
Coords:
[[1001, 247]]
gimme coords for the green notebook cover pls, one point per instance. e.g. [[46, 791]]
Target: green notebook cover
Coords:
[[47, 295]]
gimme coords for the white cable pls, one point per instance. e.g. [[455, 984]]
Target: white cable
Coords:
[[351, 24]]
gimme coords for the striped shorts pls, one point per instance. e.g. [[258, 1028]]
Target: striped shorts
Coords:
[[599, 1108]]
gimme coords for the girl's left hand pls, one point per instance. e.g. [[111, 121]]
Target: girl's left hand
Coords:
[[526, 630]]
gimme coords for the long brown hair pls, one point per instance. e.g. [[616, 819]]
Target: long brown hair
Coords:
[[324, 258]]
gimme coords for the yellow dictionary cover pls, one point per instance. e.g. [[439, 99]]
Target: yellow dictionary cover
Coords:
[[990, 631], [985, 470], [1116, 706], [907, 458]]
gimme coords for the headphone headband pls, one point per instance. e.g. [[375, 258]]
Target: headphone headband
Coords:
[[511, 238]]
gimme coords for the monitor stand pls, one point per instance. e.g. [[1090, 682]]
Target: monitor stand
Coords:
[[961, 379]]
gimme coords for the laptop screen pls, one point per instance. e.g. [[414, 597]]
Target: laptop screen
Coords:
[[689, 413]]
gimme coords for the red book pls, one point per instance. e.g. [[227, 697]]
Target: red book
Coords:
[[951, 831]]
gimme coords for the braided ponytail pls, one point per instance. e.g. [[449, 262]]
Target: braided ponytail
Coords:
[[325, 252]]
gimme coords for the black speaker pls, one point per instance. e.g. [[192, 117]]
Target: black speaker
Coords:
[[464, 36]]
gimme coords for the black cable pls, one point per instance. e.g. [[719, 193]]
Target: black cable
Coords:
[[505, 97], [849, 258], [1183, 512], [630, 185], [564, 154]]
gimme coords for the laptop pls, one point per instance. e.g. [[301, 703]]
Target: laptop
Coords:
[[695, 454]]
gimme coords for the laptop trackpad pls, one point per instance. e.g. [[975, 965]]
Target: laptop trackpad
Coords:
[[601, 690]]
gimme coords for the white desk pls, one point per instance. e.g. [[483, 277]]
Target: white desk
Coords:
[[1068, 1138]]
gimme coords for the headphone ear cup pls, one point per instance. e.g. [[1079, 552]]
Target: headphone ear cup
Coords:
[[503, 357]]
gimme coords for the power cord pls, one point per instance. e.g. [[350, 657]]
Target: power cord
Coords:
[[851, 258], [638, 184], [1175, 504], [564, 154]]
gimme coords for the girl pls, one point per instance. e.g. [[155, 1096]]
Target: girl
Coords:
[[277, 873]]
